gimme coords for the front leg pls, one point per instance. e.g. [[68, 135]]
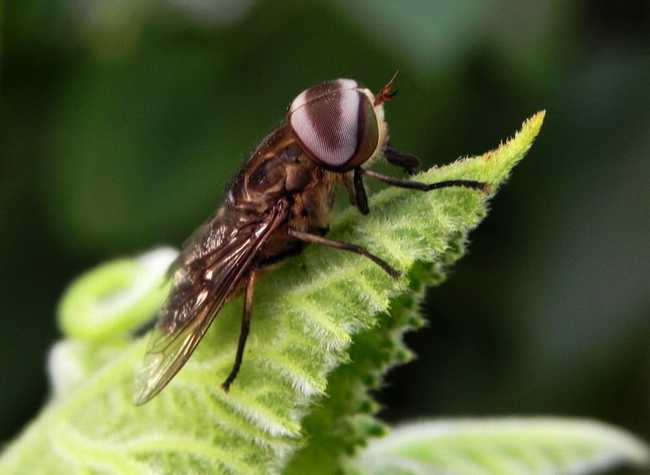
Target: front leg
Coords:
[[360, 196], [410, 163], [416, 185]]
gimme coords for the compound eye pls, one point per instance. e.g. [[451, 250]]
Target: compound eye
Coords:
[[336, 124]]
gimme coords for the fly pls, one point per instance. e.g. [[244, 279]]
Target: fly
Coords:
[[279, 202]]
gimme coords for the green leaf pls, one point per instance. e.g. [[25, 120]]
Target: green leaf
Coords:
[[501, 446], [302, 397]]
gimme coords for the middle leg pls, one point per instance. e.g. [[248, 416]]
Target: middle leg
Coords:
[[345, 246]]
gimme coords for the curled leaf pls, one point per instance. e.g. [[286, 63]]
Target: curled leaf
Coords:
[[116, 297]]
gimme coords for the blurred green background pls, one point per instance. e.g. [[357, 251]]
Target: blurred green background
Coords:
[[121, 122]]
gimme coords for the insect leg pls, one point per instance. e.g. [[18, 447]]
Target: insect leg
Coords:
[[416, 185], [243, 333], [360, 196], [345, 246], [410, 163]]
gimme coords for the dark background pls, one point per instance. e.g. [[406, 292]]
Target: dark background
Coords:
[[121, 122]]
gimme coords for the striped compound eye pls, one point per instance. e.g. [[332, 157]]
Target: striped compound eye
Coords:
[[336, 124]]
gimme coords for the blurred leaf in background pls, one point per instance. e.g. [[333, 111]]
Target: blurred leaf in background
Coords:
[[121, 122]]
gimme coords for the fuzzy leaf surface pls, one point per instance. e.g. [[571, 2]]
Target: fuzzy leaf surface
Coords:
[[301, 398]]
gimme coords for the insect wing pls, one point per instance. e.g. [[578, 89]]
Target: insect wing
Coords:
[[194, 300]]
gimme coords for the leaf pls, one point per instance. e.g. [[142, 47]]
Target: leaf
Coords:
[[302, 395], [501, 446]]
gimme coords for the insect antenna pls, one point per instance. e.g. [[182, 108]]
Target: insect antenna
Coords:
[[388, 92]]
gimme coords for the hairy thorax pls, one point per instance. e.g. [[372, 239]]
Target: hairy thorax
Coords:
[[280, 170]]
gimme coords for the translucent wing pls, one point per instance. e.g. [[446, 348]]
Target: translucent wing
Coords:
[[210, 267]]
